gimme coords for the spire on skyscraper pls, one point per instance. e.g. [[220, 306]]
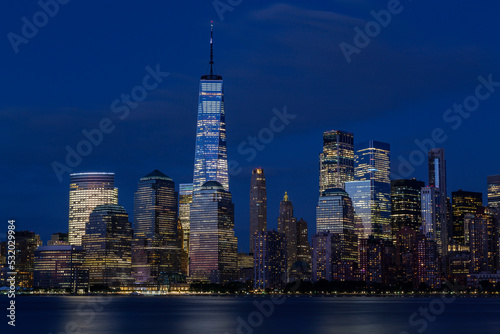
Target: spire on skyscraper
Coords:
[[285, 198], [212, 48]]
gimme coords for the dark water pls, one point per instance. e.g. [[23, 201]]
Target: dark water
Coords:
[[314, 315]]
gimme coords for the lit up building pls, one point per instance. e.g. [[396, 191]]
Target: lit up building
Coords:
[[156, 247], [60, 267], [406, 204], [210, 162], [405, 240], [335, 214], [287, 224], [494, 191], [336, 162], [482, 234], [26, 245], [270, 260], [463, 202], [426, 264], [185, 200], [431, 222], [371, 260], [437, 179], [246, 268], [324, 253], [212, 244], [107, 244], [373, 161], [86, 191], [258, 204], [303, 247]]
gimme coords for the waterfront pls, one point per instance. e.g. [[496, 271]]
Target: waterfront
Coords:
[[194, 314]]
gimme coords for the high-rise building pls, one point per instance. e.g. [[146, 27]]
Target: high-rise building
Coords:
[[258, 204], [212, 244], [481, 232], [405, 239], [324, 253], [270, 260], [437, 179], [463, 202], [373, 161], [431, 222], [287, 224], [303, 246], [155, 229], [60, 267], [210, 162], [86, 191], [406, 204], [426, 264], [107, 244], [494, 191], [336, 162], [335, 214], [185, 200], [26, 245], [371, 260]]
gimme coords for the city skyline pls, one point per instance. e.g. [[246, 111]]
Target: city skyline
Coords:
[[178, 97]]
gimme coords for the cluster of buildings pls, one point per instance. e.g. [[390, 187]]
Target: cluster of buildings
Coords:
[[369, 228]]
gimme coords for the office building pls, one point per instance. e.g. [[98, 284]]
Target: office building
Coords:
[[86, 191], [437, 179], [107, 244], [406, 204], [26, 244], [337, 160], [270, 260], [494, 191], [258, 204], [287, 224], [463, 202]]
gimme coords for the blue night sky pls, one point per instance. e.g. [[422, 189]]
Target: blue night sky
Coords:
[[397, 89]]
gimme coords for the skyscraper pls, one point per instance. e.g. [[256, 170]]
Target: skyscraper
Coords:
[[155, 228], [431, 223], [406, 204], [107, 243], [336, 162], [463, 202], [494, 191], [26, 243], [86, 191], [437, 179], [185, 200], [335, 214], [270, 260], [303, 246], [258, 204], [287, 224], [210, 162], [212, 245], [373, 163]]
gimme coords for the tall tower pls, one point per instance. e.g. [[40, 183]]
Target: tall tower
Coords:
[[463, 202], [287, 224], [86, 191], [210, 161], [212, 245], [336, 162], [406, 204], [437, 179], [258, 205]]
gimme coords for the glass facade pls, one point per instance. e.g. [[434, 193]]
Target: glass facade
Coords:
[[60, 267], [210, 162], [270, 260], [212, 245], [431, 223], [287, 224], [463, 202], [107, 243], [437, 179], [258, 204], [86, 191], [335, 214], [156, 247], [185, 200], [337, 160], [373, 161], [494, 191], [406, 204]]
